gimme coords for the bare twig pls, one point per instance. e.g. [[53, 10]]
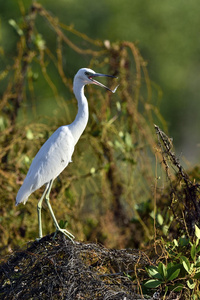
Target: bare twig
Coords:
[[190, 190]]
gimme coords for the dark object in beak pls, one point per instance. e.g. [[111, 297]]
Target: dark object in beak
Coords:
[[91, 76]]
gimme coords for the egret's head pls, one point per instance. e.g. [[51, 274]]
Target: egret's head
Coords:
[[87, 76]]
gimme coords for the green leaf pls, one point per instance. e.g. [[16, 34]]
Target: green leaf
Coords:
[[183, 241], [197, 264], [170, 265], [191, 284], [186, 263], [63, 223], [198, 249], [165, 229], [197, 276], [193, 252], [3, 124], [40, 42], [118, 105], [29, 134], [128, 140], [175, 242], [92, 170], [177, 287], [173, 273], [27, 160], [152, 283], [166, 289], [162, 270], [153, 272], [197, 231], [160, 219], [16, 27], [119, 145]]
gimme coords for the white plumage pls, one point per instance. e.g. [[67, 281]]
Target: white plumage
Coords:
[[56, 153], [52, 158]]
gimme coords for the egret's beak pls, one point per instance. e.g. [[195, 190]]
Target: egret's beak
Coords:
[[91, 77]]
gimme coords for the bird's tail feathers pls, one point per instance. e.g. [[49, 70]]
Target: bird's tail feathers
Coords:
[[22, 195], [21, 200]]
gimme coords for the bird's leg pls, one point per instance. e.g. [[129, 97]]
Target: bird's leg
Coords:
[[64, 231], [39, 208]]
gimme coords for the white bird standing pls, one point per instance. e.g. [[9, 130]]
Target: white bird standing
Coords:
[[54, 156]]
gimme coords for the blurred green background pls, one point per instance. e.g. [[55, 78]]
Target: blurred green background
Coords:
[[167, 34]]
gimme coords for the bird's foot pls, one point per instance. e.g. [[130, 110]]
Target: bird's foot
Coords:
[[37, 239], [65, 232]]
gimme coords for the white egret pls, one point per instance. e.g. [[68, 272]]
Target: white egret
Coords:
[[54, 156]]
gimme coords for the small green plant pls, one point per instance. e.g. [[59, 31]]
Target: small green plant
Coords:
[[182, 270], [164, 276], [162, 223], [63, 223]]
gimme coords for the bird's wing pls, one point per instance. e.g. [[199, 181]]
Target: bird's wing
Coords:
[[49, 162]]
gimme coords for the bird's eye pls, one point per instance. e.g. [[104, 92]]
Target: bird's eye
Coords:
[[89, 75]]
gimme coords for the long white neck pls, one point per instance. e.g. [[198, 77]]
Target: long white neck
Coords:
[[78, 125]]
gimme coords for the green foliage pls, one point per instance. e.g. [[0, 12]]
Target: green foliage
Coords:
[[63, 224], [182, 270]]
